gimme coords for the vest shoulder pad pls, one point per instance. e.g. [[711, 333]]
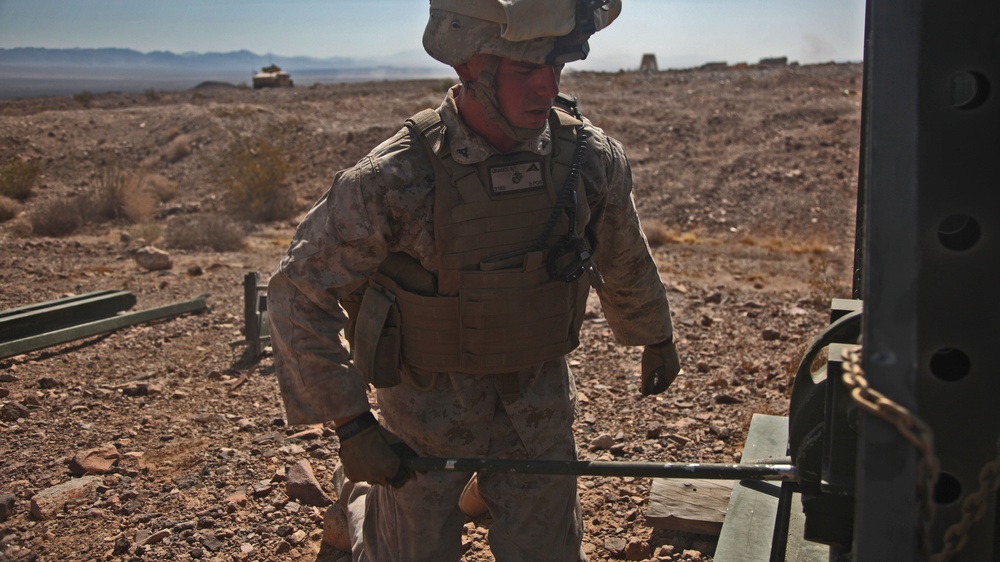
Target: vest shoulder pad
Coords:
[[566, 105], [429, 127]]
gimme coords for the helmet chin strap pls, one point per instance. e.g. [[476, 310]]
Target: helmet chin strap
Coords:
[[484, 91]]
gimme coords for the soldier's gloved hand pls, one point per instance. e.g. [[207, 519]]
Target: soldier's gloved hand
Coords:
[[371, 453], [660, 365]]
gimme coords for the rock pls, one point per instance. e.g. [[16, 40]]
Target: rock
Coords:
[[7, 504], [99, 460], [239, 497], [770, 334], [602, 442], [17, 554], [637, 550], [615, 545], [313, 432], [155, 537], [153, 259], [13, 411], [692, 555], [4, 393], [52, 501], [301, 485], [136, 389], [49, 382], [335, 529]]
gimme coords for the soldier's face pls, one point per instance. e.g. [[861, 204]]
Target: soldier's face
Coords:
[[525, 92]]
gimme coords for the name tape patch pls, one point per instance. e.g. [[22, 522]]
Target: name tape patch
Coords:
[[516, 177]]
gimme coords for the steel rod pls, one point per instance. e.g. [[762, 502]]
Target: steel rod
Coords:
[[706, 471]]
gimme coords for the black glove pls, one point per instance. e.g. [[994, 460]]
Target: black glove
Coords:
[[660, 366], [371, 453]]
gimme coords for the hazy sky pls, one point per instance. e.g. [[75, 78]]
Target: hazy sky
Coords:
[[680, 33]]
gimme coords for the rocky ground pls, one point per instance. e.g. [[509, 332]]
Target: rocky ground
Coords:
[[166, 441]]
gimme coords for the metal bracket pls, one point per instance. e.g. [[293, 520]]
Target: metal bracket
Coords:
[[255, 327]]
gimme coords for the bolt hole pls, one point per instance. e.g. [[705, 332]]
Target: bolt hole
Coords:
[[947, 490], [950, 364], [959, 232], [968, 90]]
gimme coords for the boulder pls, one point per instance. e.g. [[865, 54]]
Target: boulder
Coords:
[[301, 485], [153, 259], [99, 460], [51, 501]]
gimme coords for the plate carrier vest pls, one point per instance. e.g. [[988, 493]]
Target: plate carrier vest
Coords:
[[496, 304]]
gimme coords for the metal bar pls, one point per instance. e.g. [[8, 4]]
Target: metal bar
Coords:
[[782, 521], [24, 345], [54, 315], [251, 319], [40, 305], [706, 471]]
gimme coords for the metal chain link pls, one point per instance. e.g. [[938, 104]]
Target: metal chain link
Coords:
[[921, 436], [973, 510], [912, 428]]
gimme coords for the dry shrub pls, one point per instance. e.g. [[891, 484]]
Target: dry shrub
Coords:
[[824, 284], [659, 235], [19, 227], [218, 232], [18, 178], [177, 149], [788, 244], [253, 171], [148, 232], [60, 217], [84, 98], [9, 208], [120, 195], [162, 188]]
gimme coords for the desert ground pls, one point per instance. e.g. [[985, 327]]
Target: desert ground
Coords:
[[745, 179]]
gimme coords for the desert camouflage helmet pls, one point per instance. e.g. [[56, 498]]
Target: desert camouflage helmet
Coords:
[[534, 31]]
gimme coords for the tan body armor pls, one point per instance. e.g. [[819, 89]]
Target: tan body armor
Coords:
[[494, 306]]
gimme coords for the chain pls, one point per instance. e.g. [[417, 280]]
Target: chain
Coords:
[[909, 426], [917, 433], [973, 509]]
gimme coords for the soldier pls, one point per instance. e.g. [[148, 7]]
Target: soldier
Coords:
[[457, 258]]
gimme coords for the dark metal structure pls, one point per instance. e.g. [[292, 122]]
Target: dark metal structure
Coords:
[[255, 327], [912, 474]]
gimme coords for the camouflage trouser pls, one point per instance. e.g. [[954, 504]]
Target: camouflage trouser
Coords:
[[535, 518]]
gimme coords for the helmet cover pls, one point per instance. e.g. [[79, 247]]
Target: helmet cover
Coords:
[[533, 31]]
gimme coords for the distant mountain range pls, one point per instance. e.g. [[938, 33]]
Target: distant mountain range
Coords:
[[32, 71]]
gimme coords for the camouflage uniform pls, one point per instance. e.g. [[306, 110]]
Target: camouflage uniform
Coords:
[[385, 204]]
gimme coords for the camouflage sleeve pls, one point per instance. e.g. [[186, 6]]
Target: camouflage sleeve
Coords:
[[633, 297], [341, 241]]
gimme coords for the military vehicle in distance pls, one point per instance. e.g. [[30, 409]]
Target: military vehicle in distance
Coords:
[[272, 77]]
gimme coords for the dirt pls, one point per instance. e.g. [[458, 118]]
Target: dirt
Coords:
[[746, 182]]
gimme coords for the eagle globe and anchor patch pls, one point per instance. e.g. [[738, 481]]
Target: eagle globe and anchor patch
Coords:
[[516, 176]]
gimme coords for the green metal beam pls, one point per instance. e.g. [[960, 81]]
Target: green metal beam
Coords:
[[41, 341]]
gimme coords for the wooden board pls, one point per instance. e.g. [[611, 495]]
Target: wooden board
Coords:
[[749, 525], [688, 505]]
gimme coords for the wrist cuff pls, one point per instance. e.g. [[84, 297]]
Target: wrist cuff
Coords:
[[665, 342], [355, 426]]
